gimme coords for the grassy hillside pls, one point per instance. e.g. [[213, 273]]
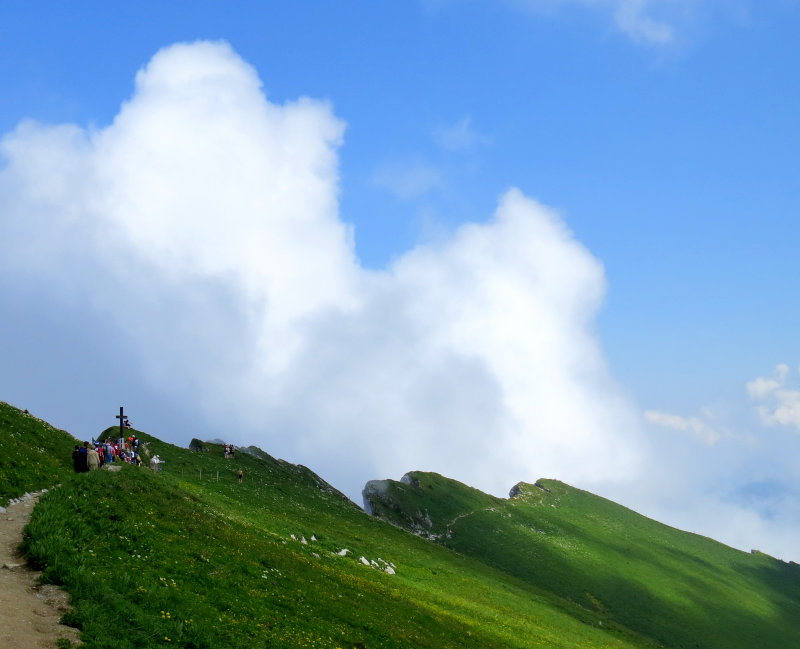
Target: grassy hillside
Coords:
[[33, 454], [189, 557], [679, 589]]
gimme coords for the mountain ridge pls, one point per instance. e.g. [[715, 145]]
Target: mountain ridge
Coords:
[[596, 553], [285, 560]]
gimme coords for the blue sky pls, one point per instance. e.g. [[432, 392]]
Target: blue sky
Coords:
[[651, 146]]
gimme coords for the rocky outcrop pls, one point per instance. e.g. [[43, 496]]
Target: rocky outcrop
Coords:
[[379, 502], [410, 480], [197, 446], [374, 491], [522, 488]]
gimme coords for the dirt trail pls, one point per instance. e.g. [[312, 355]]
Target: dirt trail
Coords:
[[29, 612]]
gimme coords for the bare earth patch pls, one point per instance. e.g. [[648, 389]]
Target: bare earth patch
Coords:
[[29, 611]]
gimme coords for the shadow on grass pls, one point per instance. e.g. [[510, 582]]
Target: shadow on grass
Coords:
[[680, 599]]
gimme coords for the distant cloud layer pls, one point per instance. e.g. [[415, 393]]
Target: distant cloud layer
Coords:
[[409, 179], [651, 22], [777, 403], [214, 213], [695, 425], [460, 136]]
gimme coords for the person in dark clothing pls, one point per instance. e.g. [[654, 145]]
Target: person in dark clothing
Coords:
[[75, 459], [83, 458]]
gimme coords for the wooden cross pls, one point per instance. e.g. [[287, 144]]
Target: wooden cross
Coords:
[[121, 417]]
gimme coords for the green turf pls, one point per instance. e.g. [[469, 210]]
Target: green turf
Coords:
[[188, 557], [679, 589], [33, 454]]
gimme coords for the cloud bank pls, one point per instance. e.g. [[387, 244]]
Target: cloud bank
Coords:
[[212, 214]]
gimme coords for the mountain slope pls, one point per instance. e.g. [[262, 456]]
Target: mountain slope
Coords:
[[679, 589], [189, 557], [33, 454]]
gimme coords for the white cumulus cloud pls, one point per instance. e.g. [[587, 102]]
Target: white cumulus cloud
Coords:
[[211, 214]]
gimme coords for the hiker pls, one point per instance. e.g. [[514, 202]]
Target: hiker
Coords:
[[92, 459], [239, 475], [83, 458], [76, 459]]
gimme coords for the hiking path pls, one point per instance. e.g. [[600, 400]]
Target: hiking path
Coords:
[[29, 611]]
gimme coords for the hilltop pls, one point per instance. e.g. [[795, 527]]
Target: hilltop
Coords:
[[189, 557]]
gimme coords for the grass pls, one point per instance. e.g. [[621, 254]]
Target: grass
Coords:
[[176, 559], [188, 557], [33, 454], [679, 589]]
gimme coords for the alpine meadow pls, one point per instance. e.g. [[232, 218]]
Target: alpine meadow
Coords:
[[190, 557]]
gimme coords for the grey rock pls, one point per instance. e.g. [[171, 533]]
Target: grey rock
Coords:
[[373, 489], [410, 480]]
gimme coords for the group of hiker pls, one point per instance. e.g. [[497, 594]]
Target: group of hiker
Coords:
[[93, 456]]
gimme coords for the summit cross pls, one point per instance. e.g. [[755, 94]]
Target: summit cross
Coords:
[[121, 417]]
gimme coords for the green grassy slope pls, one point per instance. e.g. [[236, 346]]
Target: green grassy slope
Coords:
[[679, 589], [190, 558], [33, 454]]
